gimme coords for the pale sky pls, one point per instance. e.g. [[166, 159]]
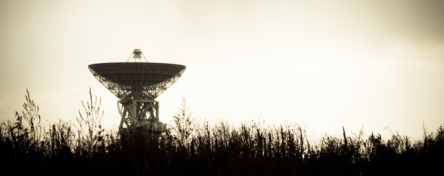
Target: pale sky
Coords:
[[321, 64]]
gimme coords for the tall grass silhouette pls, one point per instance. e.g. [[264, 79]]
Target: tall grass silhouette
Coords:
[[200, 148]]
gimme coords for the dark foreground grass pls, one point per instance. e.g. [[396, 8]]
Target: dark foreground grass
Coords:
[[27, 147]]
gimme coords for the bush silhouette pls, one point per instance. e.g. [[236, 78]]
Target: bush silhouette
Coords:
[[253, 148]]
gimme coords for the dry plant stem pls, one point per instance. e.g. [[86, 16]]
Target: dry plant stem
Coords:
[[92, 122], [185, 125]]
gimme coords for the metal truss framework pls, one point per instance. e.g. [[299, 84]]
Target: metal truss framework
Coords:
[[137, 85], [138, 112]]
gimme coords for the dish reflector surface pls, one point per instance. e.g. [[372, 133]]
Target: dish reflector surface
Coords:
[[136, 80]]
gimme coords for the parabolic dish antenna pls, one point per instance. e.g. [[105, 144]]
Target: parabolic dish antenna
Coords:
[[137, 85]]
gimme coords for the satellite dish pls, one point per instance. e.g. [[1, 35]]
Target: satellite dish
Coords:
[[137, 84]]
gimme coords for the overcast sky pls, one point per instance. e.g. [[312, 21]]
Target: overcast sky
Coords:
[[322, 64]]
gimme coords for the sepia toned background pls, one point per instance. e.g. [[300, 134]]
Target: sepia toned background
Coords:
[[322, 64]]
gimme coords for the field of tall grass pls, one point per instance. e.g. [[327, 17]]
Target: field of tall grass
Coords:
[[188, 147]]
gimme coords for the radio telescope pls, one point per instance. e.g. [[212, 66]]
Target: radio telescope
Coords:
[[137, 84]]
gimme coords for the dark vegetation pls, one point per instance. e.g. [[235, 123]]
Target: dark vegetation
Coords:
[[192, 148]]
